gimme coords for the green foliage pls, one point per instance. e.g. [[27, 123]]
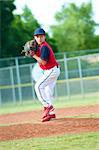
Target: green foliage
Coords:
[[96, 41], [17, 29], [22, 27], [75, 28], [6, 17], [52, 42]]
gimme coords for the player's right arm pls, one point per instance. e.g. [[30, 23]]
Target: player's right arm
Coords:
[[39, 60]]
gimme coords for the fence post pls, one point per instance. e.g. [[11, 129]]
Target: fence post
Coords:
[[66, 76], [81, 78], [18, 78], [33, 92], [55, 92], [12, 83]]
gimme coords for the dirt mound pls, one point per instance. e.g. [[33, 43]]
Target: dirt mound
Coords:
[[27, 124]]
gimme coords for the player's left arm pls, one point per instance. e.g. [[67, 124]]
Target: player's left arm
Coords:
[[43, 59]]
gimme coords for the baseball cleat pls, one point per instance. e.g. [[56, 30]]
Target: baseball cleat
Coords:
[[48, 117], [47, 110]]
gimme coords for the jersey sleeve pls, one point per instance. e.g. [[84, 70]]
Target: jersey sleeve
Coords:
[[45, 52]]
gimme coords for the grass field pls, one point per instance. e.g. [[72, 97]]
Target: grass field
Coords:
[[85, 141], [59, 103]]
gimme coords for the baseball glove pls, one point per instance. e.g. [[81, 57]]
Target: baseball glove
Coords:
[[30, 48]]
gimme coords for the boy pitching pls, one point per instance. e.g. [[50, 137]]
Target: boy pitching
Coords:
[[49, 72]]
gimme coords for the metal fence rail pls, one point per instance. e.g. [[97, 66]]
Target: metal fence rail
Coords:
[[79, 76]]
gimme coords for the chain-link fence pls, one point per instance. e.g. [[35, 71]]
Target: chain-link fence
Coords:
[[79, 76]]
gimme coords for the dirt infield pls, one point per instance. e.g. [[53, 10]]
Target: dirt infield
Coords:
[[28, 124]]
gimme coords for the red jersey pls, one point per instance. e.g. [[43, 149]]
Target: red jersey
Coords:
[[46, 53]]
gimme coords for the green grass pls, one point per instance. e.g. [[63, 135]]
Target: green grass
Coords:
[[59, 103], [85, 141]]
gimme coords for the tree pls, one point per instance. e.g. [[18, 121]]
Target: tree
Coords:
[[22, 26], [75, 28], [17, 29], [20, 30], [6, 17]]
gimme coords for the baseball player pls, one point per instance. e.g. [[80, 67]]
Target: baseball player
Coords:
[[48, 71]]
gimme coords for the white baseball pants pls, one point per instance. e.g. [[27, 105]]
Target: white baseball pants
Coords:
[[44, 86]]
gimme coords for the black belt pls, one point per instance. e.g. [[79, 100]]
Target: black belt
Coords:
[[58, 66]]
